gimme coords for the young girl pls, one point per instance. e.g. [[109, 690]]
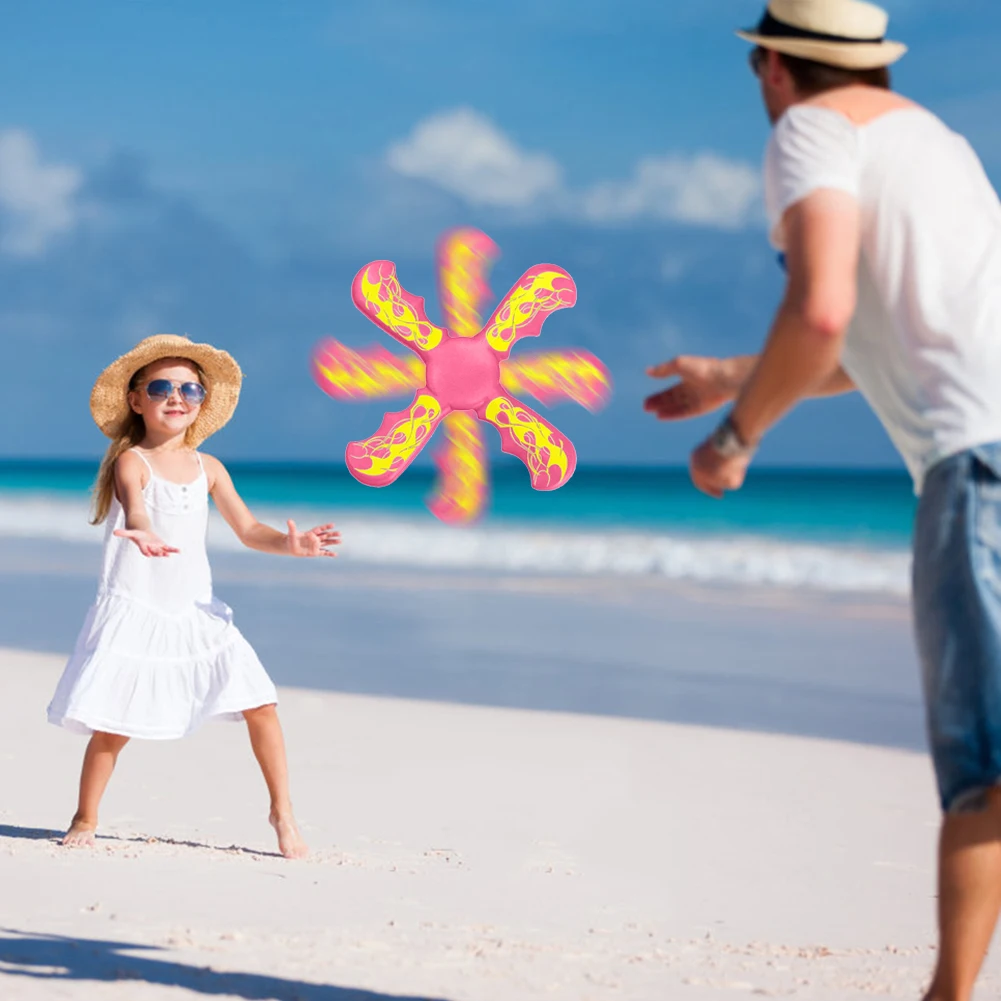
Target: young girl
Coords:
[[158, 654]]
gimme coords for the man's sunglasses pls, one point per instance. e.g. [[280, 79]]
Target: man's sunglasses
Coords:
[[193, 393], [756, 58]]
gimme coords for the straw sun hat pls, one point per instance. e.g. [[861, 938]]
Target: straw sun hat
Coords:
[[109, 405], [845, 33]]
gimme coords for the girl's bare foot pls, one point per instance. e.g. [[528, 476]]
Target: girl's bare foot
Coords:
[[290, 842], [80, 834]]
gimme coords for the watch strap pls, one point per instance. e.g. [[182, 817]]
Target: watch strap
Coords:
[[727, 441]]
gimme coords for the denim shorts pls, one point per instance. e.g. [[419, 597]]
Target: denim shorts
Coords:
[[957, 621]]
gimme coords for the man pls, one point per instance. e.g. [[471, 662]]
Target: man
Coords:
[[892, 241]]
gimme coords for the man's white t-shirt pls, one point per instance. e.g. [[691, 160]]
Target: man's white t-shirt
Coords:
[[924, 347]]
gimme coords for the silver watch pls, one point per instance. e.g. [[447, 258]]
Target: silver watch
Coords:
[[727, 441]]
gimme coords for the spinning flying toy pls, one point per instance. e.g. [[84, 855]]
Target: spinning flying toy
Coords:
[[462, 375]]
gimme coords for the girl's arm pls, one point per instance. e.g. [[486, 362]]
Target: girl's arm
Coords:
[[252, 533], [130, 478]]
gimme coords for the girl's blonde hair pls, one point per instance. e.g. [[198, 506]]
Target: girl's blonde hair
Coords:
[[132, 432]]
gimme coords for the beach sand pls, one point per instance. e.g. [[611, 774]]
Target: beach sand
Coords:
[[466, 853]]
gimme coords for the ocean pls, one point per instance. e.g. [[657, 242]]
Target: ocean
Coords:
[[828, 530]]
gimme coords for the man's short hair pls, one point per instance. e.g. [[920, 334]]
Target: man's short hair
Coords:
[[814, 78]]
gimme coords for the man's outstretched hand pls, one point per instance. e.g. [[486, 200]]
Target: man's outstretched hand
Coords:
[[704, 385]]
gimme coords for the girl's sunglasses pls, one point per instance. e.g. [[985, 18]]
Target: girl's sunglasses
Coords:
[[193, 393]]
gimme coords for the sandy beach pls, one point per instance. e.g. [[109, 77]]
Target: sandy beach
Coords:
[[466, 853], [513, 786]]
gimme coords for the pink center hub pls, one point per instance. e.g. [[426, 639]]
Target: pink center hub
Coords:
[[463, 372]]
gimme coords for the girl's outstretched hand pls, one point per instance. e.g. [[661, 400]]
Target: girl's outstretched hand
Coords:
[[315, 542], [148, 543]]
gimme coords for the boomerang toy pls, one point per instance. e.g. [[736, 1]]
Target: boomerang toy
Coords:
[[462, 375]]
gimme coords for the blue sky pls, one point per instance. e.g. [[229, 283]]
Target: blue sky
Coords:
[[224, 168]]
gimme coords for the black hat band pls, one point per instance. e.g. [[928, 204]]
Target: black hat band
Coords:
[[772, 27]]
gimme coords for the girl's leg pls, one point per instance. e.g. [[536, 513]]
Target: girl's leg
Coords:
[[269, 748], [98, 764]]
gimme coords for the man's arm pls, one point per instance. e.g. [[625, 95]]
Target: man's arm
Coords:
[[706, 384], [740, 368], [803, 352], [837, 383]]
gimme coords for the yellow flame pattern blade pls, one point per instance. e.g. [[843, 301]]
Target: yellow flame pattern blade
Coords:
[[464, 258], [379, 460], [553, 376], [462, 485], [540, 291], [548, 454], [377, 292], [364, 375]]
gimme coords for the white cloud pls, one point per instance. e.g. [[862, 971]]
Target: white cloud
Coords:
[[705, 190], [463, 152], [36, 199]]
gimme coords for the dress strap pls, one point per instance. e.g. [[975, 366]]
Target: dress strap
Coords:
[[146, 461], [201, 465]]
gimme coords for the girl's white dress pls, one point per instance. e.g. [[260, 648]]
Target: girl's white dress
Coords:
[[158, 654]]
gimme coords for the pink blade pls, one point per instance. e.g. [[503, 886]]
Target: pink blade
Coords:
[[461, 492], [464, 258], [540, 291], [363, 375], [548, 455], [554, 376], [377, 292], [379, 460]]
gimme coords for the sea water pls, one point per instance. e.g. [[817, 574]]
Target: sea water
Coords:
[[833, 530]]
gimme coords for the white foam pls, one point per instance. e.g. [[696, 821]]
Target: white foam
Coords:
[[734, 560]]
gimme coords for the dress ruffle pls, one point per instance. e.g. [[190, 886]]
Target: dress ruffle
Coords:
[[141, 672]]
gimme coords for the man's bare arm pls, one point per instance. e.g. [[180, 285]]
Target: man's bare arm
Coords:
[[804, 348], [705, 384]]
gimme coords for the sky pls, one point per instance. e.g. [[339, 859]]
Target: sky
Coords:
[[223, 169]]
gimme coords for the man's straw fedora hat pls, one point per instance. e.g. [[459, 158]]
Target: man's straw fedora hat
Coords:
[[845, 33], [109, 404]]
